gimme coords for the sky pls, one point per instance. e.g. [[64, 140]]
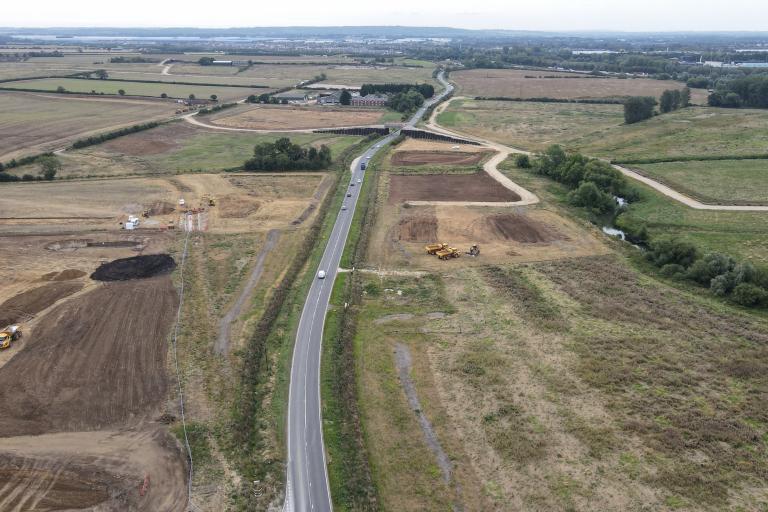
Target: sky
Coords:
[[648, 15]]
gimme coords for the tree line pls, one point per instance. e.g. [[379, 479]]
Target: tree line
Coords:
[[284, 155], [594, 184], [749, 91], [640, 108], [426, 90]]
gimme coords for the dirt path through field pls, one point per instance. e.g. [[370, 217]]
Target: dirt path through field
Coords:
[[222, 341], [190, 118], [491, 166], [659, 187]]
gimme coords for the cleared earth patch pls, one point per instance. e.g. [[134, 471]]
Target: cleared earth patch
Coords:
[[438, 187]]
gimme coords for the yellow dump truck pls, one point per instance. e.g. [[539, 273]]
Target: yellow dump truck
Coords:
[[448, 253], [434, 248], [9, 334]]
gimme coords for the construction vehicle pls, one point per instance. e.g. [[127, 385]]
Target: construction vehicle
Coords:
[[474, 250], [209, 199], [448, 253], [433, 248], [146, 213], [9, 334]]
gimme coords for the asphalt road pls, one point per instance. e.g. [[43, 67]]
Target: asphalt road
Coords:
[[307, 487]]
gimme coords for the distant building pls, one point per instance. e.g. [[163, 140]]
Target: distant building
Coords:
[[371, 100], [333, 98], [292, 97]]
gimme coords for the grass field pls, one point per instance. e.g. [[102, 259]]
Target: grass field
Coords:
[[720, 181], [32, 123], [530, 125], [743, 235], [177, 147], [358, 75], [134, 88], [514, 84], [687, 132]]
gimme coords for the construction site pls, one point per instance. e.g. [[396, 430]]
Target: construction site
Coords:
[[89, 307]]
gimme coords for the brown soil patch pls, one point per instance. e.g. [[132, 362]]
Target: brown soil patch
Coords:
[[94, 361], [297, 118], [64, 275], [438, 187], [23, 305], [436, 157], [520, 228], [151, 142], [418, 229], [161, 208], [236, 207]]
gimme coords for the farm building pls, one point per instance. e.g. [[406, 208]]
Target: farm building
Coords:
[[292, 97], [333, 98], [371, 100]]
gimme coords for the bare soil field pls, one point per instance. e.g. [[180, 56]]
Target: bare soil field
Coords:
[[514, 84], [473, 187], [27, 304], [33, 123], [519, 235], [436, 157], [295, 118]]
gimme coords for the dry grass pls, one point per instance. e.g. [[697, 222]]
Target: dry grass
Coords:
[[33, 123], [295, 118], [514, 84]]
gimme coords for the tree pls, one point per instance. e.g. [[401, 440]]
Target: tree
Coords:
[[205, 61], [667, 102], [592, 198], [121, 92], [60, 89], [345, 98], [49, 166], [191, 96], [214, 97], [251, 98], [748, 294], [638, 108], [665, 250], [101, 74], [685, 98]]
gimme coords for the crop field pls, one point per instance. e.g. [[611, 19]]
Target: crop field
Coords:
[[292, 118], [358, 75], [33, 123], [688, 132], [514, 84], [175, 148], [271, 75], [717, 182], [531, 125], [134, 88]]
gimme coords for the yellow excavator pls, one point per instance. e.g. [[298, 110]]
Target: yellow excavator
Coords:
[[9, 334]]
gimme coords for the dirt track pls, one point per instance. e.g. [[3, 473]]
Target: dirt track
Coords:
[[457, 187], [95, 361], [436, 157]]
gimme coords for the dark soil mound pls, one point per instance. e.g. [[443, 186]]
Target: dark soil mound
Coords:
[[137, 267]]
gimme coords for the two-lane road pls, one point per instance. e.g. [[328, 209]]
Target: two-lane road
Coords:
[[307, 486]]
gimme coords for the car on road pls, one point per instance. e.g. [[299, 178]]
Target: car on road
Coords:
[[359, 181], [368, 157], [321, 274], [352, 184], [349, 194], [343, 207]]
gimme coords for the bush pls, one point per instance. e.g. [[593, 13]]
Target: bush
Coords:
[[638, 108], [283, 155], [522, 161], [592, 198], [665, 250], [748, 294], [673, 270], [713, 264]]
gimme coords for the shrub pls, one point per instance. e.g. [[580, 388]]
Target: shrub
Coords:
[[592, 198], [638, 108], [673, 270], [748, 294], [710, 266], [522, 161], [672, 250]]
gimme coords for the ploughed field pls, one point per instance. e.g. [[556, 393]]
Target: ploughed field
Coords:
[[437, 187], [295, 118]]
